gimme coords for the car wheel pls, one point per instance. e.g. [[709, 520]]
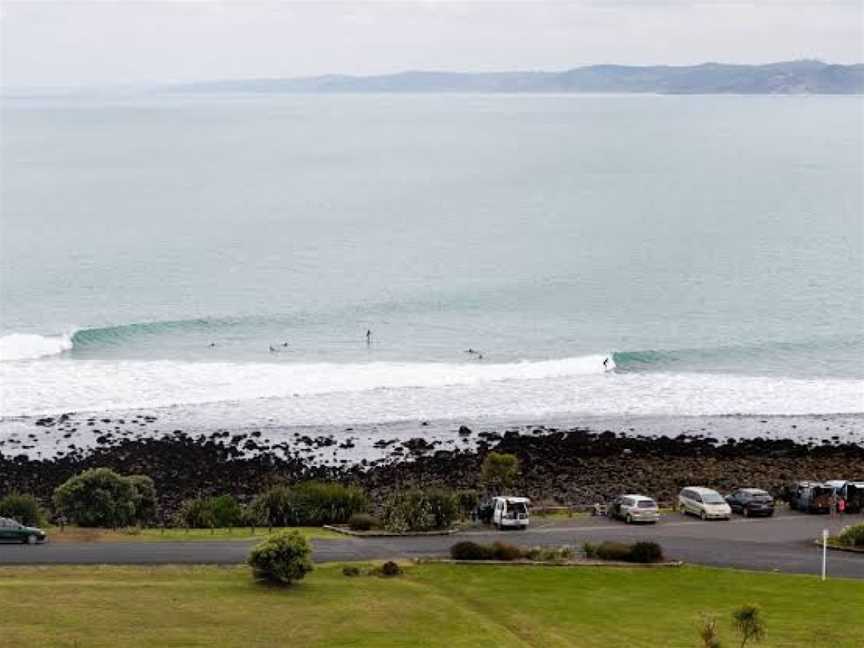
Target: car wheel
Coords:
[[702, 515], [628, 519], [746, 512], [31, 540]]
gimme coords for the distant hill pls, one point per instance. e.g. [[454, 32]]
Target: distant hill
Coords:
[[792, 77]]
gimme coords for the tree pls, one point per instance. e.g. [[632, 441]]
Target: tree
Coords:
[[101, 497], [499, 471], [282, 558], [23, 508], [749, 623]]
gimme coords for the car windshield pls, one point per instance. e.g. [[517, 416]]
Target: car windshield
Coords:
[[646, 504], [762, 497], [712, 498]]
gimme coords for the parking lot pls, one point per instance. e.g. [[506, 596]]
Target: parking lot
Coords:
[[784, 542]]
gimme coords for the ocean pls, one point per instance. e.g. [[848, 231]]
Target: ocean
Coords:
[[219, 259]]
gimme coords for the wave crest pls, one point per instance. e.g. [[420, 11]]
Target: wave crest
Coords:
[[29, 346]]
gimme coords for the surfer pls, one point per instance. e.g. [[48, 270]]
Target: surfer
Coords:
[[368, 337], [212, 344], [606, 364], [272, 349], [284, 344]]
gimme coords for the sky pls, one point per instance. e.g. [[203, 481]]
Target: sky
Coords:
[[71, 43]]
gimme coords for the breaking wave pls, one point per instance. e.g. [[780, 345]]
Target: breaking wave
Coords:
[[29, 346]]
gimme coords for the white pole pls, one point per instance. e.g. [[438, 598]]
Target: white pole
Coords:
[[824, 551]]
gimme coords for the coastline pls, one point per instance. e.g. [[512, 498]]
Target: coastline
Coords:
[[561, 463]]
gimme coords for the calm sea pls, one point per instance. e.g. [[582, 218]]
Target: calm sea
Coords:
[[189, 252]]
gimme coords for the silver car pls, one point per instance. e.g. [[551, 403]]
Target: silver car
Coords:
[[634, 508]]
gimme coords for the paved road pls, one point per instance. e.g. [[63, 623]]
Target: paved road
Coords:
[[783, 543]]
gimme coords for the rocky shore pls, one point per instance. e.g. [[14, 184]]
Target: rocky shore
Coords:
[[572, 466]]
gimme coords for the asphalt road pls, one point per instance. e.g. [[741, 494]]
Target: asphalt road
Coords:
[[783, 543]]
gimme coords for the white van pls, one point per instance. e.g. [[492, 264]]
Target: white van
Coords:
[[510, 512], [704, 502]]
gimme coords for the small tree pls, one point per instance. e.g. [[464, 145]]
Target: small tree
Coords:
[[708, 632], [749, 623], [101, 497], [23, 508], [282, 558], [499, 471]]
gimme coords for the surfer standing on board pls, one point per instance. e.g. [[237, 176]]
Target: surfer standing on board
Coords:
[[606, 364], [368, 337]]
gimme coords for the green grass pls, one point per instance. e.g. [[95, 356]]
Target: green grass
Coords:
[[132, 534], [431, 605]]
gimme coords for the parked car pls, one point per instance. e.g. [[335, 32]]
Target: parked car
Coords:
[[811, 497], [704, 502], [751, 501], [12, 531], [510, 512], [634, 508], [851, 492]]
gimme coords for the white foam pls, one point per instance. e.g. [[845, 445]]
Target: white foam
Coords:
[[28, 346], [377, 392]]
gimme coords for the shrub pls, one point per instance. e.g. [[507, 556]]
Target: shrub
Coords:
[[101, 497], [350, 571], [646, 552], [613, 551], [210, 512], [319, 503], [467, 550], [23, 508], [640, 552], [708, 633], [852, 536], [282, 558], [467, 501], [417, 510], [389, 569], [499, 470], [362, 522], [273, 507], [147, 504], [310, 504], [749, 623], [504, 551], [550, 554]]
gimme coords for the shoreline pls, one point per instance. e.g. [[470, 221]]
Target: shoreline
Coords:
[[570, 464]]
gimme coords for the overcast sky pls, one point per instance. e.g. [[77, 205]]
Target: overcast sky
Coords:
[[72, 42]]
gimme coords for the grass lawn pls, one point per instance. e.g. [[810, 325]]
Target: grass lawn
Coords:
[[431, 605], [79, 534]]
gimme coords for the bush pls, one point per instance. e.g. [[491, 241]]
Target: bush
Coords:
[[417, 510], [614, 551], [310, 504], [852, 536], [646, 552], [550, 554], [147, 504], [389, 569], [23, 508], [282, 558], [101, 497], [504, 551], [640, 552], [467, 550], [362, 522], [467, 501], [273, 507], [350, 571], [210, 512]]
